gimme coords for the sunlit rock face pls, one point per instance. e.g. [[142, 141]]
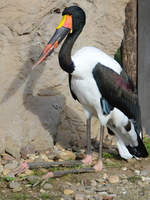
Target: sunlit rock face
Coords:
[[36, 106]]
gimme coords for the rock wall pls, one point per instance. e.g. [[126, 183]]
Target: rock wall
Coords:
[[36, 106]]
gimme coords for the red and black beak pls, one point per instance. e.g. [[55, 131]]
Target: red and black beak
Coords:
[[62, 30]]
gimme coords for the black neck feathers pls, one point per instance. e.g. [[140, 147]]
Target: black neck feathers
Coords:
[[65, 60]]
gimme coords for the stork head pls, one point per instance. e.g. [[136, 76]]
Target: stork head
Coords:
[[73, 19]]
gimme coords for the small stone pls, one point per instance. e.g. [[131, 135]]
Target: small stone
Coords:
[[11, 165], [6, 171], [58, 147], [33, 179], [17, 189], [67, 155], [42, 191], [114, 179], [123, 176], [68, 192], [11, 175], [102, 193], [109, 161], [28, 172], [124, 192], [108, 198], [137, 172], [93, 183], [80, 197], [145, 179], [47, 186], [100, 188], [32, 157], [26, 150], [66, 197], [105, 176], [15, 186], [99, 180], [144, 173], [44, 157], [43, 170], [52, 156], [140, 183], [124, 168]]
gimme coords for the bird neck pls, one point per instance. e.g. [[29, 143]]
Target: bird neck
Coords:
[[65, 60]]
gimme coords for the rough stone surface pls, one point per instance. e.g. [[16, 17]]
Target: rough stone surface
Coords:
[[36, 106]]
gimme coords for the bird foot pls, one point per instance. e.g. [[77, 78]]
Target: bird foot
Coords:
[[22, 168], [87, 160], [98, 166]]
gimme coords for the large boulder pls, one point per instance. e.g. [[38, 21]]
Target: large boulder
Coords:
[[36, 106]]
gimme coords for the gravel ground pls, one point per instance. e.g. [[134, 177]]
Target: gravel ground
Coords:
[[119, 180]]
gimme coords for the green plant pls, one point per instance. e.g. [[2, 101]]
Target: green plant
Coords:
[[147, 144], [118, 56], [133, 179]]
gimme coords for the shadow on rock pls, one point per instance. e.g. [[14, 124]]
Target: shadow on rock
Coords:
[[47, 104]]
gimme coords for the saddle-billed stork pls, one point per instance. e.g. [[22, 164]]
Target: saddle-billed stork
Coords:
[[101, 86]]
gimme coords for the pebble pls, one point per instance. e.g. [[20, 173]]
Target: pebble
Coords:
[[67, 155], [137, 172], [26, 150], [108, 198], [105, 176], [100, 180], [124, 192], [124, 168], [68, 192], [6, 171], [145, 179], [47, 186], [80, 197], [42, 191], [66, 197], [11, 165], [32, 157], [28, 172], [144, 173], [93, 183], [15, 186], [102, 193], [33, 179], [11, 175], [44, 157], [101, 189], [114, 179]]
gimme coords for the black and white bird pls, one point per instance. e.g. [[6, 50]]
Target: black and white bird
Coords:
[[101, 86]]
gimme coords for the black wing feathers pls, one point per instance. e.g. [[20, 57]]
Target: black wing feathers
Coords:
[[118, 90]]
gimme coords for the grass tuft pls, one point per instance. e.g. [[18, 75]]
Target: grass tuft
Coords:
[[146, 141], [133, 179]]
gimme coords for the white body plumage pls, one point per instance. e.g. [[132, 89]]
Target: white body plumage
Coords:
[[85, 88]]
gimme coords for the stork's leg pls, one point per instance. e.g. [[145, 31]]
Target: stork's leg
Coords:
[[88, 158], [99, 165]]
